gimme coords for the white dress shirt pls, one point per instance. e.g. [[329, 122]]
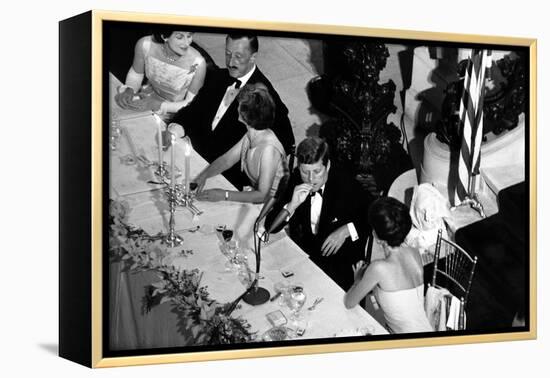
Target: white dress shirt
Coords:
[[316, 205], [315, 214], [230, 94]]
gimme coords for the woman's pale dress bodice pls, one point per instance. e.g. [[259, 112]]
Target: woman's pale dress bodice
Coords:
[[251, 158], [404, 309], [169, 81]]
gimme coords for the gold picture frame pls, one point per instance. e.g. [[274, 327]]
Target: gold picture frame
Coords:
[[83, 286]]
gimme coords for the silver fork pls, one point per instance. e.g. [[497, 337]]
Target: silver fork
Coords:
[[315, 303]]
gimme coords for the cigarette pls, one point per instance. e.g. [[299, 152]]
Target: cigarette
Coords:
[[275, 296]]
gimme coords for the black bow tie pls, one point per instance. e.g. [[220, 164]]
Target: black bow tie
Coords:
[[320, 191], [237, 82]]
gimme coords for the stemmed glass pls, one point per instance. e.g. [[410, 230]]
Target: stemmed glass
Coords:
[[230, 251], [115, 133], [240, 262], [282, 290], [227, 235], [296, 300]]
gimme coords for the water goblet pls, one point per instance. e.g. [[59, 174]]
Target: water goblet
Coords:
[[231, 250], [243, 271], [240, 260], [115, 134], [296, 300], [281, 289]]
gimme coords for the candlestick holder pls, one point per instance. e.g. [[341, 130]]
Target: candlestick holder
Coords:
[[186, 199], [172, 239], [176, 197], [161, 172]]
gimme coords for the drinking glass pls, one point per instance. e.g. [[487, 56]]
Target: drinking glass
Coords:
[[243, 271], [234, 255], [282, 289], [227, 235], [296, 300], [115, 134]]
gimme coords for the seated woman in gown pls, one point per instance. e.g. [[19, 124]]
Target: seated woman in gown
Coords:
[[398, 279], [174, 69], [260, 153]]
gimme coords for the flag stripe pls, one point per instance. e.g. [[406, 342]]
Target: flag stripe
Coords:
[[471, 120]]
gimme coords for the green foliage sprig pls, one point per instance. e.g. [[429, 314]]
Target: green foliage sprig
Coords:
[[205, 320]]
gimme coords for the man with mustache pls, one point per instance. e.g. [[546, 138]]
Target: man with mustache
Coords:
[[212, 119]]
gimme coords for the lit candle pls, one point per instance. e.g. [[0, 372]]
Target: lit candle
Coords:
[[159, 137], [187, 153], [172, 148]]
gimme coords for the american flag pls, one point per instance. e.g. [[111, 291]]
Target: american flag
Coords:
[[471, 122]]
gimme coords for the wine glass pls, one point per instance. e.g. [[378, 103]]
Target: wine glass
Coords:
[[240, 261], [227, 235], [282, 290], [296, 300], [115, 133], [235, 256]]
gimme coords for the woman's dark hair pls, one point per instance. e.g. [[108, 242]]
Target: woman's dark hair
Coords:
[[311, 150], [163, 32], [256, 106], [390, 220]]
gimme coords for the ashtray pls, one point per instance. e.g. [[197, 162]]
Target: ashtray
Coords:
[[277, 334]]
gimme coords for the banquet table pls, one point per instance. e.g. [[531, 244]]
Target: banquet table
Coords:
[[130, 326]]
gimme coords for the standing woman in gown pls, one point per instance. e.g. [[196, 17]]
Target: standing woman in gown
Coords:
[[174, 69], [398, 279], [259, 152]]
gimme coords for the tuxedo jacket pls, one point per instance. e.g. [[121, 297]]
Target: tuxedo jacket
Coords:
[[197, 117], [344, 201]]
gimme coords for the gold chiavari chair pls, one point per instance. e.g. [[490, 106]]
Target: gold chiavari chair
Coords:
[[454, 270]]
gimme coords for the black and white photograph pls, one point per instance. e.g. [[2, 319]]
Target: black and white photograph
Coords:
[[271, 188], [276, 189]]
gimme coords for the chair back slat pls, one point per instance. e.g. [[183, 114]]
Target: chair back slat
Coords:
[[461, 316], [456, 283], [455, 265]]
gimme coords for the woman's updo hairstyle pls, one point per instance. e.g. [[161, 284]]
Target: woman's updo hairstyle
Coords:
[[163, 32], [256, 106], [390, 220]]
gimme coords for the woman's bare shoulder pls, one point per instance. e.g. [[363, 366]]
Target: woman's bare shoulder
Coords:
[[144, 41], [143, 45], [380, 266], [413, 254]]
